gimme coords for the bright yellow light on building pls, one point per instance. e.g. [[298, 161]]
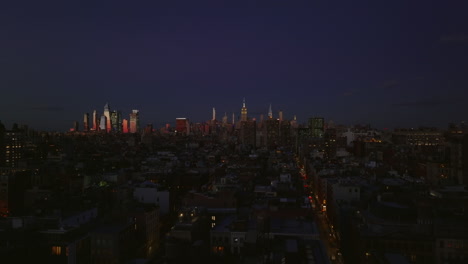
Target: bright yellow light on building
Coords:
[[56, 250]]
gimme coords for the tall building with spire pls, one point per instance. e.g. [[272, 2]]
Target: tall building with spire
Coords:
[[243, 112], [108, 117], [270, 113], [294, 122]]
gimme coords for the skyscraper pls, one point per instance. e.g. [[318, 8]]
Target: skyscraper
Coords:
[[86, 122], [14, 143], [243, 112], [317, 127], [103, 123], [134, 121], [125, 126], [270, 113], [214, 114], [182, 126], [116, 121], [108, 117], [95, 121]]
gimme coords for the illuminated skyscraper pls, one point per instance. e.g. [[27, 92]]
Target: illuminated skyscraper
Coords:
[[103, 123], [108, 117], [125, 126], [243, 112], [95, 120], [280, 116], [14, 143], [214, 114], [116, 121], [86, 122], [134, 121], [270, 113], [316, 127], [182, 126]]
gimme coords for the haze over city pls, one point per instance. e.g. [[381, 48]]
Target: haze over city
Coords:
[[393, 64]]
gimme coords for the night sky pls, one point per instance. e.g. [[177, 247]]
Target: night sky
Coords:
[[392, 64]]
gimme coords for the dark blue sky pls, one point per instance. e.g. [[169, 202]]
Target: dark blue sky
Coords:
[[392, 64]]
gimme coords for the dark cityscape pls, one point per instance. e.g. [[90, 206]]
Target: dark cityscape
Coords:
[[234, 132]]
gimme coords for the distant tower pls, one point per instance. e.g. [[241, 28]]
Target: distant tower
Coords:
[[233, 119], [270, 113], [243, 112], [294, 122], [225, 119], [182, 126], [125, 126], [214, 114], [280, 116], [116, 121], [13, 149], [86, 122], [95, 120], [134, 121], [103, 123], [108, 117]]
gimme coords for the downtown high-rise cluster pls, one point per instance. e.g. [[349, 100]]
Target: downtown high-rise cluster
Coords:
[[110, 121]]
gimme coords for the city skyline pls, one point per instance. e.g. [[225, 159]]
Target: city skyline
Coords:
[[124, 121], [390, 65]]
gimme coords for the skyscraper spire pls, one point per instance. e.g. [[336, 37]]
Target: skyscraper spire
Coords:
[[270, 113], [243, 112]]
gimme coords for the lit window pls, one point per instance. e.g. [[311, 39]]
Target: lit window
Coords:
[[56, 250]]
